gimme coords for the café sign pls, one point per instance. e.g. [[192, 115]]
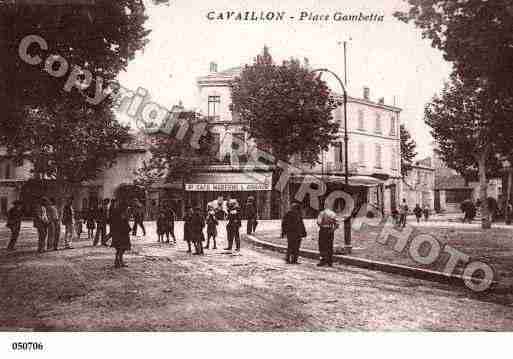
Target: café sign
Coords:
[[228, 187]]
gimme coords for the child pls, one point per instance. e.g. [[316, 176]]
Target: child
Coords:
[[162, 226], [78, 223], [90, 223], [418, 212], [211, 227]]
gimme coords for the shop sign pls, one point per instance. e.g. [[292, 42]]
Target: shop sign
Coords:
[[228, 187]]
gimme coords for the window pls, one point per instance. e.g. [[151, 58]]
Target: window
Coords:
[[378, 156], [361, 126], [361, 154], [7, 170], [394, 158], [392, 126], [338, 149], [213, 106], [377, 128]]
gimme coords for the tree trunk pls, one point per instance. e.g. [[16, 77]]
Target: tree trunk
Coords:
[[483, 186]]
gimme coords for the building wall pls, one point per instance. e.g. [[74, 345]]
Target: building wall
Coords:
[[420, 188]]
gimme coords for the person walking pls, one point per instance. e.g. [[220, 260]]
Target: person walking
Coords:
[[403, 213], [212, 223], [233, 225], [68, 215], [138, 210], [328, 224], [418, 212], [187, 237], [250, 212], [197, 225], [41, 223], [90, 223], [14, 216], [171, 217], [426, 212], [120, 231], [293, 227], [102, 217], [54, 225]]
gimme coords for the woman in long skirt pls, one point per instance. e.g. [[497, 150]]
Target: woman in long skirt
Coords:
[[120, 229]]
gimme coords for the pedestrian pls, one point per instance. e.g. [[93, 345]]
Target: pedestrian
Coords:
[[162, 223], [251, 215], [418, 212], [171, 217], [395, 215], [101, 217], [90, 223], [41, 223], [14, 216], [426, 212], [328, 224], [120, 231], [68, 215], [233, 225], [54, 225], [212, 223], [403, 213], [79, 223], [293, 227], [197, 225], [138, 212], [187, 227]]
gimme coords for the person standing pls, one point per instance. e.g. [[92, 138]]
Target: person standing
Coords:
[[197, 225], [328, 224], [90, 223], [120, 231], [233, 225], [102, 217], [250, 212], [170, 217], [426, 212], [138, 210], [212, 223], [418, 212], [293, 227], [187, 227], [41, 223], [68, 215], [14, 216], [403, 213], [54, 225], [161, 224]]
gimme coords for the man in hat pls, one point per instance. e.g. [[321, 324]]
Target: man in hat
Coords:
[[250, 212], [41, 223], [233, 225], [293, 227], [197, 224], [138, 209], [327, 222], [14, 216], [102, 218]]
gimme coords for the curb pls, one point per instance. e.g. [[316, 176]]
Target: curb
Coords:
[[425, 274]]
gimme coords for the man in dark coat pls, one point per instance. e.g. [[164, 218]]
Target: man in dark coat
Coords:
[[250, 212], [187, 218], [293, 227], [102, 217], [197, 224], [14, 216], [233, 225]]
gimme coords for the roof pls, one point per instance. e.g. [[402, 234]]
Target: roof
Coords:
[[451, 182]]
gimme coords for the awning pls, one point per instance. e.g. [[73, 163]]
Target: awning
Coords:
[[230, 181], [356, 181]]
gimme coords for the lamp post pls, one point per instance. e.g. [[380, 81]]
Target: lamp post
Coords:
[[347, 220], [506, 165]]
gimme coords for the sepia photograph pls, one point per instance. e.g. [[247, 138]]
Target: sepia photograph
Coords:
[[225, 167]]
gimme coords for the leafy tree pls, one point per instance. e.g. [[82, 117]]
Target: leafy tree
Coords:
[[65, 133], [175, 157], [408, 152], [474, 35], [287, 108], [470, 128]]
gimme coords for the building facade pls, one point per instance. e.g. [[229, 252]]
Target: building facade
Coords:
[[419, 185]]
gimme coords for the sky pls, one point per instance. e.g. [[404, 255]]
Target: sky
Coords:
[[389, 57]]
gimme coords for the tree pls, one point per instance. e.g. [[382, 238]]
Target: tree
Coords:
[[470, 128], [474, 35], [408, 153], [63, 132], [174, 158], [287, 109]]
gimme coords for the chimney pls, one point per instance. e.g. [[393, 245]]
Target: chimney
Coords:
[[366, 93], [381, 101], [213, 67]]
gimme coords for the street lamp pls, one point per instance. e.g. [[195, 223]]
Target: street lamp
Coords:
[[506, 165], [347, 220]]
